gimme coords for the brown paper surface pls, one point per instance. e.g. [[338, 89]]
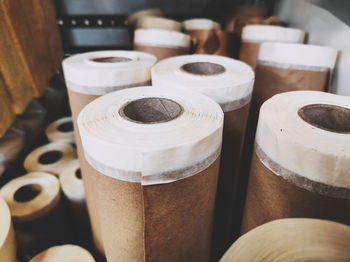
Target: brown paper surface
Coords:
[[249, 52], [271, 197], [213, 42], [6, 111], [162, 52]]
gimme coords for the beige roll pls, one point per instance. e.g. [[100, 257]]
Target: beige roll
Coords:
[[162, 43], [200, 24], [7, 235], [52, 158], [68, 253], [34, 200], [152, 22], [134, 17], [61, 130], [293, 240], [93, 74]]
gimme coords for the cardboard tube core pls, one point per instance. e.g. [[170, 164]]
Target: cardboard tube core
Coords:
[[151, 110], [65, 127], [203, 68], [111, 59], [50, 157], [78, 173], [27, 193], [328, 117]]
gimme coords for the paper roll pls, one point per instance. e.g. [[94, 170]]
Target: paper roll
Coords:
[[254, 35], [134, 17], [61, 130], [163, 172], [51, 158], [301, 159], [229, 83], [296, 239], [64, 253], [158, 22], [7, 235], [162, 43], [200, 24], [133, 69]]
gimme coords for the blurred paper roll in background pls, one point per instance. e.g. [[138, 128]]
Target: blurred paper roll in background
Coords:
[[61, 130], [64, 253], [51, 158], [200, 24], [164, 172], [7, 235], [134, 17], [301, 163], [229, 83], [34, 200], [162, 43], [152, 22], [254, 35], [294, 239], [93, 74]]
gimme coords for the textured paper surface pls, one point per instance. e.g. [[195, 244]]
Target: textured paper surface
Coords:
[[161, 52]]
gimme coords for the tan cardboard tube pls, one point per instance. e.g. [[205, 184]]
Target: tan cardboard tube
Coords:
[[86, 80], [158, 22], [156, 190], [300, 167], [293, 240], [7, 234], [162, 43]]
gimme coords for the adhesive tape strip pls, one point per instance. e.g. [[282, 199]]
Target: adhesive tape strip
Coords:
[[161, 37], [293, 239], [7, 235], [31, 196], [158, 22], [305, 57], [151, 135], [272, 33], [71, 182], [200, 24], [51, 158], [307, 133], [134, 17], [61, 130], [64, 253], [98, 73], [227, 81]]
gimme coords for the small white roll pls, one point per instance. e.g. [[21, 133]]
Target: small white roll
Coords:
[[7, 235], [134, 17], [71, 182], [272, 33], [158, 22], [227, 81], [298, 55], [68, 253], [200, 24], [31, 196], [151, 135], [100, 72], [61, 130], [318, 150], [51, 158], [161, 37]]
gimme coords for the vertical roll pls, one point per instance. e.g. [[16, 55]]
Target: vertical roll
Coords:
[[301, 163], [156, 189], [254, 35], [7, 235], [93, 74], [61, 130], [295, 239], [229, 83], [134, 17], [162, 43], [200, 24], [64, 253], [34, 200], [152, 22]]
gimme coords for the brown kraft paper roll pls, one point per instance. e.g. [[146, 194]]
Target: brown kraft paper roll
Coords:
[[161, 52], [150, 215], [300, 165], [126, 69]]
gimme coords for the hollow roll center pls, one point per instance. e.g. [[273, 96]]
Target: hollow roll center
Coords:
[[151, 110], [50, 157], [78, 173], [27, 193], [65, 127], [111, 59], [328, 117], [203, 68]]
